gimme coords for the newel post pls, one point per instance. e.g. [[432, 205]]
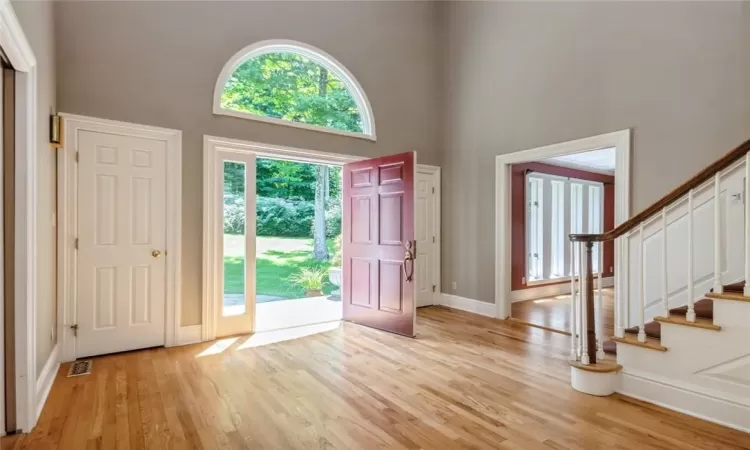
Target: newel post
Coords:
[[590, 318]]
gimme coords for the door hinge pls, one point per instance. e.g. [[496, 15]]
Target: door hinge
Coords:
[[433, 288], [433, 190], [77, 156], [433, 239], [74, 327], [76, 243]]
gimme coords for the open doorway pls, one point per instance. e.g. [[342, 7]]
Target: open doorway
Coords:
[[534, 272], [267, 273], [550, 199], [297, 243]]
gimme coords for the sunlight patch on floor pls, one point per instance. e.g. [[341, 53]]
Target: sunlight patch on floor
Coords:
[[218, 347], [288, 334]]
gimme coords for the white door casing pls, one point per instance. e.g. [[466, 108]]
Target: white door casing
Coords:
[[121, 243], [426, 236]]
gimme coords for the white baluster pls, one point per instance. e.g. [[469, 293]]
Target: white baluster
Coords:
[[620, 306], [642, 289], [664, 289], [583, 266], [573, 328], [718, 285], [690, 316], [747, 225], [599, 317]]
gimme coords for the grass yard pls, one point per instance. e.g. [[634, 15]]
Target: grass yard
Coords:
[[277, 259]]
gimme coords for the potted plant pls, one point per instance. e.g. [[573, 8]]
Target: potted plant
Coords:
[[334, 272], [310, 279]]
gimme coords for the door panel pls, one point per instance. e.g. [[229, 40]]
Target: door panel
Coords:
[[122, 243], [425, 273], [378, 226]]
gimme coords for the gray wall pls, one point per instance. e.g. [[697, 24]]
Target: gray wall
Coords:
[[523, 75], [156, 63], [37, 21]]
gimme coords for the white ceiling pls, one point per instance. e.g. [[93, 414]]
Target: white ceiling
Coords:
[[596, 160]]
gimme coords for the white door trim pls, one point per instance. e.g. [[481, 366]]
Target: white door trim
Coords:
[[435, 172], [211, 261], [620, 140], [18, 50], [68, 226]]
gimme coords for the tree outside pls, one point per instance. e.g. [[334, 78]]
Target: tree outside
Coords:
[[298, 205], [298, 220], [289, 86]]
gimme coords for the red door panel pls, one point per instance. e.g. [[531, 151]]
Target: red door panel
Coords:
[[377, 240]]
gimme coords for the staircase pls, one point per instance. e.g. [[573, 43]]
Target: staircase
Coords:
[[704, 318], [682, 307]]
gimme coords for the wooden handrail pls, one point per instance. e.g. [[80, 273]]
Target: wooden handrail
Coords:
[[700, 178]]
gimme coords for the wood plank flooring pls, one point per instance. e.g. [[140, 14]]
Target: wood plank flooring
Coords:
[[554, 312], [466, 382]]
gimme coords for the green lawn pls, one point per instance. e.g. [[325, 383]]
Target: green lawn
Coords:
[[277, 259]]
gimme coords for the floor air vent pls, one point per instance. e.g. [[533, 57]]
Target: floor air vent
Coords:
[[80, 368]]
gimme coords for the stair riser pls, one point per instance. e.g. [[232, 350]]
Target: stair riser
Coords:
[[732, 313]]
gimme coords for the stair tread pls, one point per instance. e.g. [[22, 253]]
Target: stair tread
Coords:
[[651, 343], [707, 324], [600, 366], [729, 296]]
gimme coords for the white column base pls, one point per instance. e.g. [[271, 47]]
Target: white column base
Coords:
[[594, 383]]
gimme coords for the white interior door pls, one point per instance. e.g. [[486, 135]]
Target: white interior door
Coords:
[[236, 199], [425, 235], [121, 243]]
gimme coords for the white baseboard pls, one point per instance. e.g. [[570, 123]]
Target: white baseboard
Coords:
[[44, 382], [191, 334], [468, 304], [551, 290], [666, 393]]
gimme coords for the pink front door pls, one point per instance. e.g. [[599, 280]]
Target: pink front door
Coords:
[[378, 243]]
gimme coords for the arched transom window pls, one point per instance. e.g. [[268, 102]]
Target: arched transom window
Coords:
[[294, 84]]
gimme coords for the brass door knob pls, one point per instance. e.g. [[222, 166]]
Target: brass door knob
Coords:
[[156, 253]]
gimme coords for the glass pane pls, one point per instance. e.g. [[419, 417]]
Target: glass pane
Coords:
[[536, 228], [595, 221], [557, 232], [289, 86], [234, 239], [576, 218]]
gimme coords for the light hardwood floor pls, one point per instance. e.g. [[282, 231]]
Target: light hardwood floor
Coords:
[[465, 382], [554, 312]]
